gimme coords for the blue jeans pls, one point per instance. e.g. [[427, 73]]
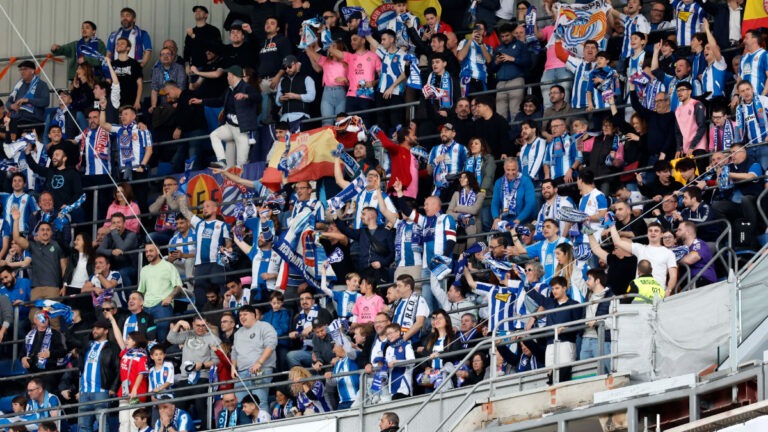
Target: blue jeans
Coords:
[[334, 101], [565, 79], [589, 350], [85, 423], [160, 311], [261, 393], [299, 357]]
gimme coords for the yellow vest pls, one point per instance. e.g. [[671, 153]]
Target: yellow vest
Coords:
[[647, 286]]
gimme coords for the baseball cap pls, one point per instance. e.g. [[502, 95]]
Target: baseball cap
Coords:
[[28, 64], [448, 126], [289, 60], [205, 9], [102, 323], [235, 70], [318, 322]]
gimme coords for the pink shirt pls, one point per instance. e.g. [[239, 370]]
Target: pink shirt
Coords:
[[332, 69], [413, 188], [361, 67], [366, 309], [552, 61], [131, 224]]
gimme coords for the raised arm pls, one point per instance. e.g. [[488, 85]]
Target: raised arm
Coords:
[[624, 244], [338, 175], [597, 250], [21, 241]]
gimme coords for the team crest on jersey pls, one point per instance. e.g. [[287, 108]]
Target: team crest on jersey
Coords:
[[684, 15], [502, 297]]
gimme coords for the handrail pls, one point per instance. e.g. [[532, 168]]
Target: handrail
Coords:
[[692, 284]]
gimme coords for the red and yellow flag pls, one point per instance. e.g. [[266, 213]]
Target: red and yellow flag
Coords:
[[312, 151], [755, 16]]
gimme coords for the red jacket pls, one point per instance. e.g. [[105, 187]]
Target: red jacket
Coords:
[[400, 161]]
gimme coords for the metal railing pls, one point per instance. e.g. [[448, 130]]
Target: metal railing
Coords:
[[101, 414]]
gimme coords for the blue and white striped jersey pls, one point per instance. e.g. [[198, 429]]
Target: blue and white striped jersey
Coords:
[[752, 120], [561, 154], [635, 64], [580, 70], [437, 231], [753, 67], [160, 376], [408, 246], [232, 303], [474, 65], [545, 252], [392, 66], [455, 157], [670, 81], [713, 79], [263, 261], [25, 203], [209, 236], [531, 159], [637, 23], [94, 151], [90, 379], [688, 19], [132, 144], [348, 386], [367, 198], [501, 302]]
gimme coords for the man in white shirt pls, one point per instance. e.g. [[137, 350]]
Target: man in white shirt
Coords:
[[661, 258]]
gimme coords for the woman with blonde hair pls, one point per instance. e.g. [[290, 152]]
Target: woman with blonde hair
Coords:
[[310, 395]]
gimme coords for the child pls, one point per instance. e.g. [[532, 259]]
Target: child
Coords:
[[224, 368], [280, 319], [253, 415], [284, 404], [603, 78], [368, 304], [345, 300], [347, 385], [399, 350], [141, 417], [161, 374]]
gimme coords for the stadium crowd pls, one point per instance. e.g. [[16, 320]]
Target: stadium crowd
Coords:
[[529, 176]]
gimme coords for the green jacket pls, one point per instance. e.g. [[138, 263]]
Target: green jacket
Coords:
[[70, 52]]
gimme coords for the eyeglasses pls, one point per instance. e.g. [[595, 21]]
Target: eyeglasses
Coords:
[[107, 309], [667, 237], [494, 246]]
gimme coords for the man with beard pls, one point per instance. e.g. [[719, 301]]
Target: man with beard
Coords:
[[62, 181], [159, 282], [141, 50], [446, 161], [129, 75], [135, 148], [550, 209], [461, 119], [211, 234]]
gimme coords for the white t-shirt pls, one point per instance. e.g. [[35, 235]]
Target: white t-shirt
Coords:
[[660, 258]]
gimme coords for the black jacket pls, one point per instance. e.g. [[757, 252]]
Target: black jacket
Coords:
[[247, 110], [109, 365], [146, 323], [721, 15], [376, 246]]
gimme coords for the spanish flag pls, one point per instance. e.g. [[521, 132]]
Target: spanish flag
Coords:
[[414, 6], [310, 157], [755, 16]]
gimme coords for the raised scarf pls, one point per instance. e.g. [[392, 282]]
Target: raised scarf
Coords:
[[443, 89]]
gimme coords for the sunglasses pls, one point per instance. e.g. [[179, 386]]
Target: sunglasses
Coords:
[[107, 309]]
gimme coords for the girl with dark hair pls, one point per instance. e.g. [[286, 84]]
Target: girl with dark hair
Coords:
[[465, 207], [439, 341]]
